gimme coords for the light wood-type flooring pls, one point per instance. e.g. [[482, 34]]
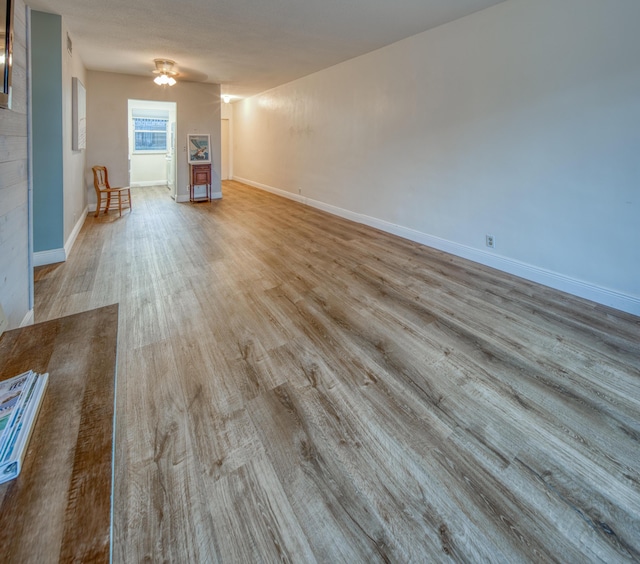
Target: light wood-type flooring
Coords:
[[295, 387]]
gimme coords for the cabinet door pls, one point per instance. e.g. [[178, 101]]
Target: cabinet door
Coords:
[[201, 174]]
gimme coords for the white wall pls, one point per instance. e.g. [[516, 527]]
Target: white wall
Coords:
[[522, 121], [15, 271], [148, 170], [75, 195], [227, 113], [198, 111]]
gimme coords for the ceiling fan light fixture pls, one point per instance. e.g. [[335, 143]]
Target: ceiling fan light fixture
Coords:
[[165, 72], [164, 79]]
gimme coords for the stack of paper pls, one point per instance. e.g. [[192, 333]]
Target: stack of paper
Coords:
[[20, 400]]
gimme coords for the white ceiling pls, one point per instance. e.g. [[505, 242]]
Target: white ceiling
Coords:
[[248, 46]]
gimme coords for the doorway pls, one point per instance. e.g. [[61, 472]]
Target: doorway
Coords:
[[152, 144], [224, 150]]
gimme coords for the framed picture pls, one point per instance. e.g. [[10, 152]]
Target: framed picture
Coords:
[[78, 115], [198, 148], [6, 47]]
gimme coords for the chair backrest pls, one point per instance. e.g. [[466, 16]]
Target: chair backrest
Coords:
[[100, 179]]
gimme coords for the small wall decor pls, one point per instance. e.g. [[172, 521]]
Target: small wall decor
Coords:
[[79, 115], [6, 49], [198, 148]]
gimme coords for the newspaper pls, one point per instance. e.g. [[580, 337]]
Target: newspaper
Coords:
[[20, 421], [12, 395]]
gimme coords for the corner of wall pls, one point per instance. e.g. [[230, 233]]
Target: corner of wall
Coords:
[[16, 282]]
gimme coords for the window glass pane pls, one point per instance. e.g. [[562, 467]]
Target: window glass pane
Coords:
[[150, 134], [151, 141], [148, 124]]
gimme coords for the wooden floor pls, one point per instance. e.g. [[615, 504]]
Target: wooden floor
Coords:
[[295, 387]]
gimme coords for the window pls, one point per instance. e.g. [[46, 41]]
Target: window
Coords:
[[150, 134]]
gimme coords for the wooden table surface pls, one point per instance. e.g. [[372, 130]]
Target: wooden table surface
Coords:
[[59, 507]]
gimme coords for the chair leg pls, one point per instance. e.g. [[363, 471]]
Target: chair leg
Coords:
[[98, 206], [108, 206], [120, 203]]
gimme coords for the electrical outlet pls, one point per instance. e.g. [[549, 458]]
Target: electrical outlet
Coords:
[[491, 241]]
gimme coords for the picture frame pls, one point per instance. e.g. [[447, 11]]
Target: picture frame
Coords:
[[198, 148], [6, 38], [78, 115]]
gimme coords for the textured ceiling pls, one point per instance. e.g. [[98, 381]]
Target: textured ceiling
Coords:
[[248, 46]]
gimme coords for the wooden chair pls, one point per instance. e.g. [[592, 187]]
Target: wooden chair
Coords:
[[122, 196]]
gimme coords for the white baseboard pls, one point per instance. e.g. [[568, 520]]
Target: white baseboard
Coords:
[[52, 256], [74, 234], [181, 198], [598, 294], [290, 196], [28, 319], [148, 183]]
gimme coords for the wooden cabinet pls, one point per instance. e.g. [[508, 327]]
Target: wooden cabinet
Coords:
[[200, 175]]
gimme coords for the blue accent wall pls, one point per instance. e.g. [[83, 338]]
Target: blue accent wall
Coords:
[[46, 61]]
